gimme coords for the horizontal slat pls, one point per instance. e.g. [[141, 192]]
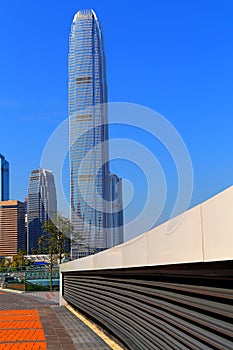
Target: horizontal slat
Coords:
[[135, 298], [147, 311]]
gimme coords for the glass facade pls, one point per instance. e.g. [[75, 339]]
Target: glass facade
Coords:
[[4, 179], [88, 127], [41, 205], [116, 230]]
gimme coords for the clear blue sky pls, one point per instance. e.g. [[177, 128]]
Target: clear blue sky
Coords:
[[172, 56]]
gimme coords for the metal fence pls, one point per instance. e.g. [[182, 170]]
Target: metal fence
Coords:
[[31, 279]]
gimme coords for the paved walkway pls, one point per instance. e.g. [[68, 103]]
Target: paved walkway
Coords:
[[52, 296], [28, 322]]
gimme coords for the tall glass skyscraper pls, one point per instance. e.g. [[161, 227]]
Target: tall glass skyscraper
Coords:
[[88, 130], [4, 178], [41, 205]]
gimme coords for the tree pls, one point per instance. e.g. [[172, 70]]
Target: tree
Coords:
[[66, 237], [56, 240], [65, 232], [2, 265], [19, 260]]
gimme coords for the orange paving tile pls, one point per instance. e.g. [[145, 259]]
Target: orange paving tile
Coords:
[[20, 324], [24, 346], [18, 312], [9, 335], [4, 318], [2, 293], [21, 330]]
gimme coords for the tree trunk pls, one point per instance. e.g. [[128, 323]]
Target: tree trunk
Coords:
[[60, 258], [51, 273]]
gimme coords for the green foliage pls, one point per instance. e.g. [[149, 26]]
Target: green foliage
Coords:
[[19, 263], [31, 287], [20, 260], [2, 265], [56, 240]]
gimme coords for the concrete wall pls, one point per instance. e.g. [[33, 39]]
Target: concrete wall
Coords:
[[204, 233]]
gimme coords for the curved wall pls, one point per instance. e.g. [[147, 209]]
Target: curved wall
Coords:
[[163, 291]]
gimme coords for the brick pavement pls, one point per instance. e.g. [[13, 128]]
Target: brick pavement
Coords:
[[30, 323], [52, 296]]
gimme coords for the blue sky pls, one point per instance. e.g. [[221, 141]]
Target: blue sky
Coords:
[[172, 56]]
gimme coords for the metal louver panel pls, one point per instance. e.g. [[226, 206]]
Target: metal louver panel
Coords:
[[187, 306]]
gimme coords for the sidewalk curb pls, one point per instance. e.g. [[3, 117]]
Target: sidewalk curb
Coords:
[[11, 290]]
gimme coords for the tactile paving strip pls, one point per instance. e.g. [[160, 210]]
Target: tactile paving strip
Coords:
[[21, 330]]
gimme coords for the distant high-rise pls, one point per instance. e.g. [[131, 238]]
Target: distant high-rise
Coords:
[[4, 178], [88, 123], [116, 230], [41, 205], [12, 227]]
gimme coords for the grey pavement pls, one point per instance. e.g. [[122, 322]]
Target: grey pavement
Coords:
[[62, 329], [81, 334]]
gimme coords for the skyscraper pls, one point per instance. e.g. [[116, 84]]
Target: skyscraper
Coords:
[[88, 126], [4, 178], [41, 205], [116, 230]]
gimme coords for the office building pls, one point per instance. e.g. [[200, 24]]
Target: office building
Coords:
[[90, 197], [88, 128], [12, 227], [41, 205], [116, 230], [4, 178]]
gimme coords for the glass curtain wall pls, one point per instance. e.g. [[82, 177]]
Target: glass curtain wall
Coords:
[[88, 131], [4, 178], [41, 205]]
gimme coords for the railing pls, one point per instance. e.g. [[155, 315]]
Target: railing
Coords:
[[183, 306], [31, 279]]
